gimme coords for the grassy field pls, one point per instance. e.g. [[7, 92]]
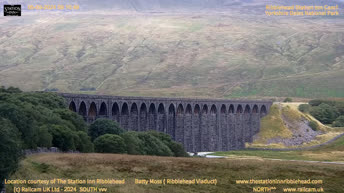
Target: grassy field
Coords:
[[225, 171], [190, 55]]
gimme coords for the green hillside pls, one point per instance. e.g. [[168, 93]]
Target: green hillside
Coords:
[[206, 55]]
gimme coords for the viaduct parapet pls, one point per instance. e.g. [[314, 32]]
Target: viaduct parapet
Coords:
[[199, 124]]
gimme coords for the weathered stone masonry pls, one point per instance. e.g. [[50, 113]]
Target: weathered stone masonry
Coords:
[[199, 124]]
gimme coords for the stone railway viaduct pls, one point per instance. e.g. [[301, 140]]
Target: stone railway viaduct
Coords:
[[199, 124]]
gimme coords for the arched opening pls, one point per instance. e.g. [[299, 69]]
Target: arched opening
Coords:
[[180, 109], [255, 120], [255, 109], [196, 128], [125, 109], [115, 112], [205, 109], [239, 131], [134, 117], [161, 109], [125, 116], [171, 121], [180, 124], [223, 128], [246, 126], [188, 109], [204, 129], [231, 109], [213, 130], [103, 110], [223, 109], [197, 109], [152, 117], [72, 106], [82, 110], [239, 109], [263, 110], [161, 118], [92, 112], [188, 128], [143, 117], [247, 109], [213, 110]]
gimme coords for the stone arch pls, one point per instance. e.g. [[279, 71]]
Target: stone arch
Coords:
[[213, 110], [231, 133], [188, 137], [196, 128], [171, 121], [239, 127], [161, 109], [82, 109], [188, 109], [204, 128], [143, 117], [92, 111], [213, 130], [125, 116], [223, 109], [161, 118], [263, 110], [255, 109], [246, 125], [255, 123], [152, 117], [180, 124], [180, 109], [231, 109], [239, 109], [72, 106], [205, 109], [134, 115], [247, 109], [115, 112], [223, 128], [197, 109], [103, 110]]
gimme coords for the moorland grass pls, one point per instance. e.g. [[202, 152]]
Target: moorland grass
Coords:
[[129, 167]]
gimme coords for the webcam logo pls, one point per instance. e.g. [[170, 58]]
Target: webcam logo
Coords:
[[12, 10]]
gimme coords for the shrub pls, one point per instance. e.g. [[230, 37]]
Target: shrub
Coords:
[[133, 143], [104, 126], [83, 142], [10, 149], [288, 99], [324, 113], [176, 148], [305, 108], [317, 102], [313, 125], [154, 146], [339, 122], [63, 138], [109, 143]]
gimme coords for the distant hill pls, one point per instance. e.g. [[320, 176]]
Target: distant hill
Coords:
[[177, 48]]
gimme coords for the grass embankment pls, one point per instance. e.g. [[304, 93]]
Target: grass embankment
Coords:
[[282, 120], [226, 171], [331, 152]]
